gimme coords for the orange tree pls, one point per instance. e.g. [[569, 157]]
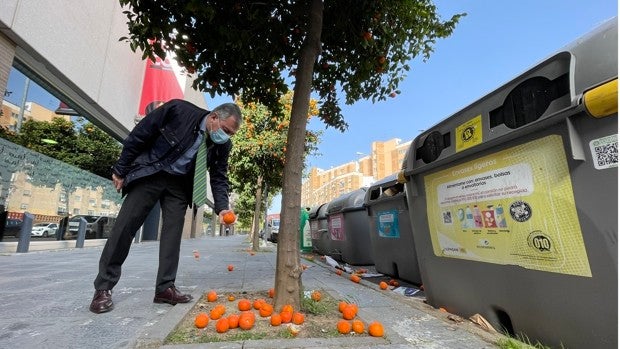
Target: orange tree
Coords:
[[257, 158], [357, 49]]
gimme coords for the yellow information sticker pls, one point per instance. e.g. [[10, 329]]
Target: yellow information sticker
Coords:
[[513, 207], [469, 134]]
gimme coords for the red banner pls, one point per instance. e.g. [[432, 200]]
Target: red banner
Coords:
[[160, 85]]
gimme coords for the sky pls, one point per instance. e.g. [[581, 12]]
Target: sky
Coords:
[[495, 42]]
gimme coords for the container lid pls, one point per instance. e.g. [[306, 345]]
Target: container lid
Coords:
[[348, 201]]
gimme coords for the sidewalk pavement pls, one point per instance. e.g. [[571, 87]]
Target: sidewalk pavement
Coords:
[[44, 299]]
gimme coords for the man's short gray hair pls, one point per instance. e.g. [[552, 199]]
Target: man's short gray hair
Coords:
[[226, 110]]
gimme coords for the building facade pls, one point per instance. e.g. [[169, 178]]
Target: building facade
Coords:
[[323, 186]]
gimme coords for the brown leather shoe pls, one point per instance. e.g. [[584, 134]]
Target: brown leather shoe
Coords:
[[172, 295], [102, 302]]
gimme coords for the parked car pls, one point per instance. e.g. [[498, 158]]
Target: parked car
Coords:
[[96, 226], [44, 229], [13, 227]]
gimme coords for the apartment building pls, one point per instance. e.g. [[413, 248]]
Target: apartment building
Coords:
[[385, 158], [9, 114]]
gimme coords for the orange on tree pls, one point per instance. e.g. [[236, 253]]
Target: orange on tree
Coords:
[[201, 320]]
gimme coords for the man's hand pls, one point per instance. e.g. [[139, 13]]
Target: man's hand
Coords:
[[118, 182], [224, 212]]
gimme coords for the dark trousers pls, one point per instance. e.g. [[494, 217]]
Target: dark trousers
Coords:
[[142, 196]]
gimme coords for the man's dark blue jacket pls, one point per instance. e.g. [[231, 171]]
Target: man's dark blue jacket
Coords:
[[161, 137]]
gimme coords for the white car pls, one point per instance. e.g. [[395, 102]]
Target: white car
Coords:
[[44, 229]]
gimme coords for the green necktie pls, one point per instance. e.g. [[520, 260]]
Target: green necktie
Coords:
[[200, 175]]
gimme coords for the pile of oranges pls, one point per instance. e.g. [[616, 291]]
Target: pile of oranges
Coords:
[[245, 315]]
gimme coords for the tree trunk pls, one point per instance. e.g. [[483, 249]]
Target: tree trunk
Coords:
[[257, 208], [288, 284]]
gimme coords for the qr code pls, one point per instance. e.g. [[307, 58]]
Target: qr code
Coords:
[[605, 152]]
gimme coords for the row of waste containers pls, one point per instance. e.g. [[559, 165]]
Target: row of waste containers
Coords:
[[508, 208]]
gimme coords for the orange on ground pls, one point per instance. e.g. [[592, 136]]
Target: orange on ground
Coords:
[[315, 296], [231, 298], [216, 313], [375, 329], [271, 293], [221, 325], [201, 320], [275, 320], [349, 312], [258, 303], [246, 321], [383, 285], [338, 272], [231, 267], [244, 304], [265, 310], [229, 218], [286, 316], [287, 307], [355, 278], [342, 305], [298, 318], [343, 326], [211, 296], [233, 321], [358, 326]]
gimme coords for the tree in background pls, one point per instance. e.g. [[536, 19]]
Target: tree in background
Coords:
[[258, 157], [360, 48]]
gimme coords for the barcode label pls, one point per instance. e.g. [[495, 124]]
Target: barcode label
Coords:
[[605, 152]]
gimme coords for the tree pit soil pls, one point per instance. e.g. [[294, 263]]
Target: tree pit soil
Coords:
[[320, 320]]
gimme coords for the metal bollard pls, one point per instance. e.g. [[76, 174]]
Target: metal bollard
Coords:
[[23, 244], [79, 240]]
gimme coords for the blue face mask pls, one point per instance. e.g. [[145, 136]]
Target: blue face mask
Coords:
[[219, 136]]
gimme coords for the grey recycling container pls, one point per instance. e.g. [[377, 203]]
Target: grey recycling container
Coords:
[[513, 201], [318, 229], [348, 229], [391, 238]]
